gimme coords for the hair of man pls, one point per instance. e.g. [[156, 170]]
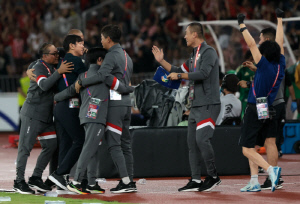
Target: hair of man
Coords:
[[94, 53], [198, 28], [270, 50], [44, 49], [269, 33], [71, 39], [113, 32]]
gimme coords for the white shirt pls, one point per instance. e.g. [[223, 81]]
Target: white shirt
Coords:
[[230, 107]]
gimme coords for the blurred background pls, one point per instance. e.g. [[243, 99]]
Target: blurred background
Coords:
[[26, 24]]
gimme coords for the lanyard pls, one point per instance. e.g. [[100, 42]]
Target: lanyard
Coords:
[[125, 64], [89, 93], [64, 76], [46, 67], [272, 86], [88, 90], [196, 57]]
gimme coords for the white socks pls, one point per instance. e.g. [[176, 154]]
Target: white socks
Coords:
[[126, 180], [254, 180], [196, 180]]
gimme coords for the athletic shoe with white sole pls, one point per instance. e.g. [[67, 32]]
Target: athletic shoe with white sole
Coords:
[[49, 183], [124, 188], [274, 176], [95, 189], [38, 184], [59, 181], [61, 191], [78, 188], [251, 188], [22, 187], [191, 186], [210, 183]]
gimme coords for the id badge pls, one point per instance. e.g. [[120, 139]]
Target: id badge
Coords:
[[73, 103], [115, 96], [191, 91], [262, 108], [93, 108]]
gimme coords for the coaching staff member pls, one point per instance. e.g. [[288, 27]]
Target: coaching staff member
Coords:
[[118, 63], [202, 69]]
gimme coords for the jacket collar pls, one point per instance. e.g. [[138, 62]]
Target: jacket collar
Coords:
[[195, 48], [94, 67], [115, 47]]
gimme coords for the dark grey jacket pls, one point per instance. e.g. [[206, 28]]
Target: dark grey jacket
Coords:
[[100, 91], [114, 63], [39, 101], [206, 76]]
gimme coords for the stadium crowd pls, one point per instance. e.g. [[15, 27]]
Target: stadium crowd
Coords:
[[143, 23]]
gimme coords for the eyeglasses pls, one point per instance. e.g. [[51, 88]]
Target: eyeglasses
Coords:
[[54, 54]]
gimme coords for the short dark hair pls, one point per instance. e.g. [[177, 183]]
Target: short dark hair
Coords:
[[113, 32], [270, 50], [94, 53], [44, 49], [71, 39], [269, 33], [230, 82], [198, 28]]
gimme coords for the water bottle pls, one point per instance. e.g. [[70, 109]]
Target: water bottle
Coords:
[[5, 198], [51, 194], [54, 202], [142, 181]]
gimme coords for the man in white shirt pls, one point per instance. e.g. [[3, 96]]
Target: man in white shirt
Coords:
[[230, 105]]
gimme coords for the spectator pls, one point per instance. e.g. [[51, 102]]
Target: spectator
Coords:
[[230, 106]]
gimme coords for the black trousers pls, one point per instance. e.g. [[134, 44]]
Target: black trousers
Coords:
[[70, 136]]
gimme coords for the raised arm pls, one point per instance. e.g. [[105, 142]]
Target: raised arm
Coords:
[[159, 56], [249, 39], [279, 31]]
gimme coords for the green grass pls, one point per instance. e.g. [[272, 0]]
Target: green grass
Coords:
[[17, 198]]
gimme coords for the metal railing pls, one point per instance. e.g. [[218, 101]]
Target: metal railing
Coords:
[[9, 84]]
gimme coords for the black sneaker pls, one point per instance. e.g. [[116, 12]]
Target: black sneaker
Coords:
[[22, 187], [124, 188], [268, 185], [38, 184], [191, 186], [96, 189], [78, 188], [261, 170], [133, 186], [210, 183], [49, 183], [58, 180]]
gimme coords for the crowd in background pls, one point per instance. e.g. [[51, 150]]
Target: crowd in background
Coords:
[[26, 24]]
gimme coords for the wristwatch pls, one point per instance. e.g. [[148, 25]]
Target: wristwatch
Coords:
[[248, 84], [80, 82], [179, 76]]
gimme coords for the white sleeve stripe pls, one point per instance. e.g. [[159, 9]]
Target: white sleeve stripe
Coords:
[[183, 69], [38, 82], [117, 85]]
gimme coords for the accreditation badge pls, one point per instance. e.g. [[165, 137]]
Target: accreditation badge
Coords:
[[74, 103], [93, 108], [115, 96], [262, 108], [191, 91]]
